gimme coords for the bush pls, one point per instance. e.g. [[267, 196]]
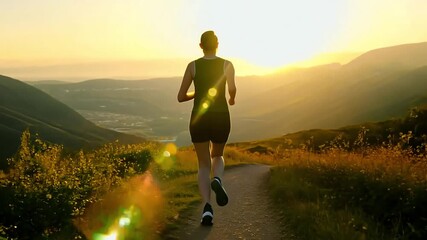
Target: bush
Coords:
[[44, 189]]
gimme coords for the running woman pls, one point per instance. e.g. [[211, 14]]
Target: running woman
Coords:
[[210, 118]]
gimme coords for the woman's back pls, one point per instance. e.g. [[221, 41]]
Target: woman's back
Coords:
[[209, 82]]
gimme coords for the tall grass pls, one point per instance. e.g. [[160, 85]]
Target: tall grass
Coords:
[[353, 190]]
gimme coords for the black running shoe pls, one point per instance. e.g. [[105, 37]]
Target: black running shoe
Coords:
[[207, 215], [221, 194]]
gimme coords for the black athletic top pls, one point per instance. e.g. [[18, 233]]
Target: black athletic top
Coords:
[[209, 84]]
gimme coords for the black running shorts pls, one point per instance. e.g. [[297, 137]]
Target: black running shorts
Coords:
[[210, 126]]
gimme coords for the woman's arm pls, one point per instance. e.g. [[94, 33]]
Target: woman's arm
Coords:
[[231, 84], [185, 85]]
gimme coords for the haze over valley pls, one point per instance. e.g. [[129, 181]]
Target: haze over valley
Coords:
[[378, 85]]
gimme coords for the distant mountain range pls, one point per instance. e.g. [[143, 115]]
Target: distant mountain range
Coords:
[[23, 106], [378, 85]]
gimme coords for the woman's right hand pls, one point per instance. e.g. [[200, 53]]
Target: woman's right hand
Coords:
[[231, 101]]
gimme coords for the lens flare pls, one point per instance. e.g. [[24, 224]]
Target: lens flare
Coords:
[[166, 160], [207, 101], [212, 92], [124, 221], [166, 154], [111, 236], [171, 148], [131, 211], [205, 105]]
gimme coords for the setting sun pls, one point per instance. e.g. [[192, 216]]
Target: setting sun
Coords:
[[258, 36]]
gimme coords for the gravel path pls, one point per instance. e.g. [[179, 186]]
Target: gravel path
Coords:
[[248, 214]]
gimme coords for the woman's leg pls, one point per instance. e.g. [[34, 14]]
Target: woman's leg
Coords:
[[218, 170], [217, 153], [204, 160]]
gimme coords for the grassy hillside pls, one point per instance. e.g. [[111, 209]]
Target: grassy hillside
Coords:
[[23, 106], [366, 181], [372, 192], [373, 133]]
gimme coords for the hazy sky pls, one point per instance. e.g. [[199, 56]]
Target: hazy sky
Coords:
[[264, 33]]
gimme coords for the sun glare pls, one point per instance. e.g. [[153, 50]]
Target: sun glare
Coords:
[[266, 35], [273, 33]]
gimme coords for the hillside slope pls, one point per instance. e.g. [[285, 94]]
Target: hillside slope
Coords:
[[23, 106], [403, 56], [373, 133]]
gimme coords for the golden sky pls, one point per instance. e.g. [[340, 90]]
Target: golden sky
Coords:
[[263, 33]]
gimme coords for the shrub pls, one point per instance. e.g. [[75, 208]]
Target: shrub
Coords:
[[44, 190]]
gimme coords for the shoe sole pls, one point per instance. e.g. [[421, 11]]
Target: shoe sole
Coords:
[[207, 220], [221, 194]]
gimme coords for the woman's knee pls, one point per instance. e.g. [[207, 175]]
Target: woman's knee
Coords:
[[217, 150]]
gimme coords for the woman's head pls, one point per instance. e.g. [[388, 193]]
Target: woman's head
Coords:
[[209, 41]]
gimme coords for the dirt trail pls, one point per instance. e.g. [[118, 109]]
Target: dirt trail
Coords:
[[248, 214]]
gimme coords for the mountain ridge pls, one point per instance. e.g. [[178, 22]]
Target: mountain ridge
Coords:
[[410, 55], [335, 97], [25, 107]]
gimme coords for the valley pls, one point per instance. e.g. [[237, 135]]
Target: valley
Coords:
[[379, 85]]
